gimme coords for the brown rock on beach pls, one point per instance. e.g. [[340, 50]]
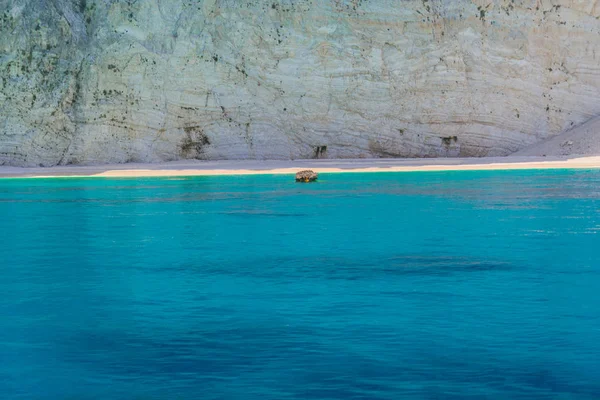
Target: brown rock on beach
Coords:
[[306, 176]]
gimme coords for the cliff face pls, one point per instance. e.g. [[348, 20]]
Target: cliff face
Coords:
[[94, 81]]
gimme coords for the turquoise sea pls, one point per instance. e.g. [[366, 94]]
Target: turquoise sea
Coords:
[[430, 285]]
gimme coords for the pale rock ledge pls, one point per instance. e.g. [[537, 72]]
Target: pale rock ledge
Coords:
[[104, 81]]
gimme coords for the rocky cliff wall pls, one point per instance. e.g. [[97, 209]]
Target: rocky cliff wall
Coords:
[[95, 81]]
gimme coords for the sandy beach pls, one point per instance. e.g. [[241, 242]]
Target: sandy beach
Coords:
[[253, 167]]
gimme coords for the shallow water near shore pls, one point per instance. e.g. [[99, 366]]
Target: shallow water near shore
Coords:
[[435, 285]]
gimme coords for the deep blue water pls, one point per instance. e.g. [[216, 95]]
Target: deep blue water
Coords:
[[454, 285]]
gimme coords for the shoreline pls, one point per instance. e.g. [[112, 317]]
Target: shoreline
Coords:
[[270, 167]]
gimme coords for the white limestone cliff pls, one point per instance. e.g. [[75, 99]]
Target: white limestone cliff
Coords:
[[583, 140], [105, 81]]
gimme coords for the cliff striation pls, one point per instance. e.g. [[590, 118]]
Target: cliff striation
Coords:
[[99, 81]]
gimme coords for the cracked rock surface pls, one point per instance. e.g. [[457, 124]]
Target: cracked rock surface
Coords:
[[107, 81]]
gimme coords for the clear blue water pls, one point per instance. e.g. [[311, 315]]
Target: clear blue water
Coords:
[[454, 285]]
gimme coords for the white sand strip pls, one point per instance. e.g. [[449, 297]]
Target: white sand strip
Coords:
[[252, 167]]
